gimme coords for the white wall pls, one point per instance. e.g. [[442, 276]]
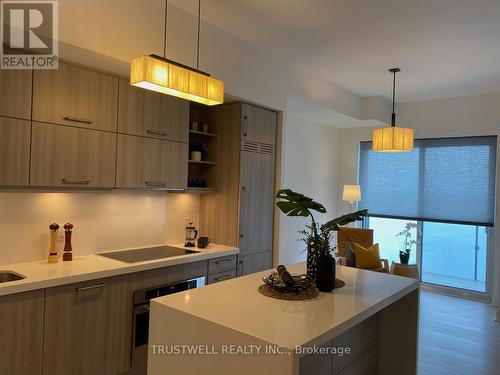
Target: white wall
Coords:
[[102, 220], [454, 117], [309, 167]]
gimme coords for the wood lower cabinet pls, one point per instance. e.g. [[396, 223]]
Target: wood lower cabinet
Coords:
[[15, 86], [151, 163], [150, 114], [220, 269], [21, 340], [83, 328], [63, 156], [72, 95], [254, 263], [221, 276], [256, 202], [258, 124], [86, 328], [14, 151]]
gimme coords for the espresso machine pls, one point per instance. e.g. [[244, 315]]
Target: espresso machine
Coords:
[[191, 234]]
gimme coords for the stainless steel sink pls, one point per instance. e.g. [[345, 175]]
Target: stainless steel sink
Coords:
[[148, 253], [6, 276]]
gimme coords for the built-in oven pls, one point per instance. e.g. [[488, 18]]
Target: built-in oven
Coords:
[[141, 314]]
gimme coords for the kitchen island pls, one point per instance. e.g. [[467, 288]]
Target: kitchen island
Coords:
[[369, 326]]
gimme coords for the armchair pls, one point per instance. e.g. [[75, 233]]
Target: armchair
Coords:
[[364, 237]]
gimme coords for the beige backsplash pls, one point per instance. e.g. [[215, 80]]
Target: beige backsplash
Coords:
[[103, 221]]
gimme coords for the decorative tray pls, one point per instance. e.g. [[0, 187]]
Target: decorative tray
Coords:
[[304, 287]]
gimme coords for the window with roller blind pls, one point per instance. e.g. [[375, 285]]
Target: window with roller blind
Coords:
[[445, 179], [446, 186]]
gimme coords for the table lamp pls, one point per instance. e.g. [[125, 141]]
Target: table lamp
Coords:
[[351, 194]]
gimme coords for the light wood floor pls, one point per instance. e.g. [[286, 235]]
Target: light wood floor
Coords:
[[457, 337]]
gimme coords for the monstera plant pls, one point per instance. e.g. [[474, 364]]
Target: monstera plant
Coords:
[[318, 238]]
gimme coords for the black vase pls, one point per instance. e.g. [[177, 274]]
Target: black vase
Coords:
[[325, 273], [404, 257]]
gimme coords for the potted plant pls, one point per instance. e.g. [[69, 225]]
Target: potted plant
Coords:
[[404, 253], [318, 238]]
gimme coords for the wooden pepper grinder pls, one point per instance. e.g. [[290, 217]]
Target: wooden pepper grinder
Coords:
[[68, 255], [53, 243]]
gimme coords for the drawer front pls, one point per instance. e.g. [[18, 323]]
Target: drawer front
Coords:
[[223, 264], [221, 276]]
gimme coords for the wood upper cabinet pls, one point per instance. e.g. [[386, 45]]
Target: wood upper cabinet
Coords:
[[87, 328], [64, 156], [151, 163], [14, 151], [256, 202], [21, 325], [258, 124], [75, 96], [15, 86], [150, 114]]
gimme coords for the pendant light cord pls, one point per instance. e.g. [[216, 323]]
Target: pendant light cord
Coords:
[[393, 117], [165, 17], [198, 43], [393, 91]]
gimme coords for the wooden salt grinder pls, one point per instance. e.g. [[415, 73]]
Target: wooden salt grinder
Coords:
[[53, 243]]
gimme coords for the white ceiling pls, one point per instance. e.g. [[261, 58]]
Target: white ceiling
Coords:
[[445, 48]]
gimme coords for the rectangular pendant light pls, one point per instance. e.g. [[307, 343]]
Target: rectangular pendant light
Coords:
[[158, 74]]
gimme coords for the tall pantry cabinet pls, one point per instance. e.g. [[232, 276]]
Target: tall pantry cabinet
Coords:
[[241, 212]]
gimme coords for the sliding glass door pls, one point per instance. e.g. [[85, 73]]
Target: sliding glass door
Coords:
[[454, 255], [445, 189], [449, 255]]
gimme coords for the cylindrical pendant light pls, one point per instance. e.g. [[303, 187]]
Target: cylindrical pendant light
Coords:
[[393, 138]]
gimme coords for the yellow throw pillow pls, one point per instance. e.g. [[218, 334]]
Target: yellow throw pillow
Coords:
[[366, 258]]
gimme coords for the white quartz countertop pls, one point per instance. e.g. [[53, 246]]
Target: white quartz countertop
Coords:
[[42, 274], [237, 304]]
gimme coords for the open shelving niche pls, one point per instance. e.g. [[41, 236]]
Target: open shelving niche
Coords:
[[203, 170]]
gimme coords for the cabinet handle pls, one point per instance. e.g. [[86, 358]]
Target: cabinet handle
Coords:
[[154, 183], [154, 132], [78, 120], [224, 277], [84, 288], [223, 261], [242, 213], [245, 126], [76, 181]]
